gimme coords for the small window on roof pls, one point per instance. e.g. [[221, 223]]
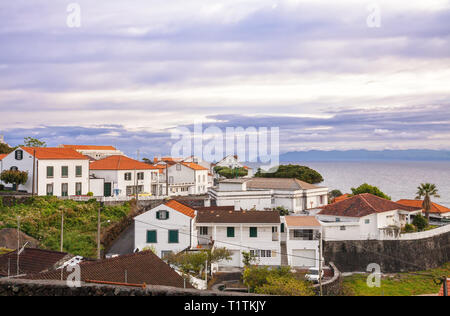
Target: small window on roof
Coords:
[[19, 154]]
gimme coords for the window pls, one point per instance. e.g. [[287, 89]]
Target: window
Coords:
[[64, 172], [78, 171], [253, 232], [151, 237], [128, 176], [261, 253], [50, 172], [204, 178], [367, 221], [203, 231], [14, 169], [274, 229], [78, 188], [171, 180], [173, 236], [343, 228], [230, 232], [19, 155], [338, 220], [64, 189], [140, 176], [162, 215], [304, 234], [282, 227], [50, 189], [178, 167]]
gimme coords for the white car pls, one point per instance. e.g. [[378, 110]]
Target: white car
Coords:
[[313, 275]]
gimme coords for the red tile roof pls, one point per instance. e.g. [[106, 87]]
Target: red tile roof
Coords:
[[193, 166], [435, 208], [214, 215], [341, 198], [3, 156], [441, 292], [302, 221], [31, 261], [119, 163], [143, 267], [89, 147], [363, 205], [53, 153], [186, 210]]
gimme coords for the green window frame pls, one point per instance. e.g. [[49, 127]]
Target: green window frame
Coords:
[[173, 237], [50, 172], [282, 227], [78, 171], [152, 237], [253, 232], [64, 172], [230, 232]]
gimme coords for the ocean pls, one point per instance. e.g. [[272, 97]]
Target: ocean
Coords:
[[397, 179]]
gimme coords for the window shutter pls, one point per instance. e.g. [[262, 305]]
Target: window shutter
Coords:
[[282, 227], [157, 215], [253, 232], [167, 215], [151, 236]]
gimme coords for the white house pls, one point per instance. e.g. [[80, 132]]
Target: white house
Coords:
[[267, 193], [124, 176], [166, 228], [364, 217], [232, 162], [95, 152], [302, 235], [239, 231], [184, 178], [56, 171], [437, 212]]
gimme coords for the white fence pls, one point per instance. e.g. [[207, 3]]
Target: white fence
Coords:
[[425, 234]]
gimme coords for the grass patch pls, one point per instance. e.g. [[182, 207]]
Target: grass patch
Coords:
[[400, 284], [41, 219]]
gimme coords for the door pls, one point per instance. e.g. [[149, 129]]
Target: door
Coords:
[[304, 258], [234, 262], [107, 189]]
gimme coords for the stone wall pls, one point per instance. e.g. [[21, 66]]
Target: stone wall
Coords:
[[392, 255], [333, 286], [12, 287]]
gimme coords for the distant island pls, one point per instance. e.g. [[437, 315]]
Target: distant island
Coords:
[[367, 155]]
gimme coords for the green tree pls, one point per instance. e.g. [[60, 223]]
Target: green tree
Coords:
[[285, 286], [5, 149], [301, 173], [14, 177], [426, 191], [334, 194], [283, 211], [33, 142], [255, 277], [248, 259], [366, 188], [420, 222], [231, 173]]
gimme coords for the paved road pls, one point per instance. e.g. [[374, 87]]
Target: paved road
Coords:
[[124, 244]]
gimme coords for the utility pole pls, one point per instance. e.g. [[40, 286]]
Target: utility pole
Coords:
[[33, 190], [206, 272], [62, 228], [320, 263], [99, 230], [445, 285], [18, 244]]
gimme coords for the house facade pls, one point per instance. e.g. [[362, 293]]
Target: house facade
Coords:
[[95, 152], [123, 176], [302, 237], [56, 171], [232, 162], [364, 217], [267, 193], [167, 228], [437, 212]]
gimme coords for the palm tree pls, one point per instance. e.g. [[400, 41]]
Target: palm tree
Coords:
[[427, 190]]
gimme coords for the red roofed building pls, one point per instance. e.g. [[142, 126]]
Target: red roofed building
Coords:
[[437, 211], [122, 176], [95, 152], [365, 216], [56, 171]]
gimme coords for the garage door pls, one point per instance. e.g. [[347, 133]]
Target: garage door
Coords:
[[234, 262], [304, 258]]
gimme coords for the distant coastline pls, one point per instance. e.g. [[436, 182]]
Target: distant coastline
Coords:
[[366, 155]]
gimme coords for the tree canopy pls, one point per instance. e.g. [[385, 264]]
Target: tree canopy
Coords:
[[14, 177], [33, 142], [302, 173], [5, 149], [231, 173], [367, 188], [426, 191]]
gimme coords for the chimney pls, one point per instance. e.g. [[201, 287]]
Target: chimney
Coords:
[[207, 202], [237, 206]]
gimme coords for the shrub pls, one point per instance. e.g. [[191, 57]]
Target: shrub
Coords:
[[409, 228], [256, 277], [420, 222], [287, 286], [90, 194], [283, 211]]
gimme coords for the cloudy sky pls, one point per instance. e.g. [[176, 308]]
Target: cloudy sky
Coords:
[[137, 69]]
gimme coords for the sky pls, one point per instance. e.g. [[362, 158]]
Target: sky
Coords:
[[136, 70]]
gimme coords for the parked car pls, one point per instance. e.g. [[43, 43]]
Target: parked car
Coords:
[[313, 275]]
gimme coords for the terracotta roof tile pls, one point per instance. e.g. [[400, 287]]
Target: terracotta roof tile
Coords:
[[53, 153], [89, 147], [193, 166], [186, 210], [302, 221], [31, 260], [435, 208], [214, 215], [120, 163], [3, 156], [363, 205], [143, 267]]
